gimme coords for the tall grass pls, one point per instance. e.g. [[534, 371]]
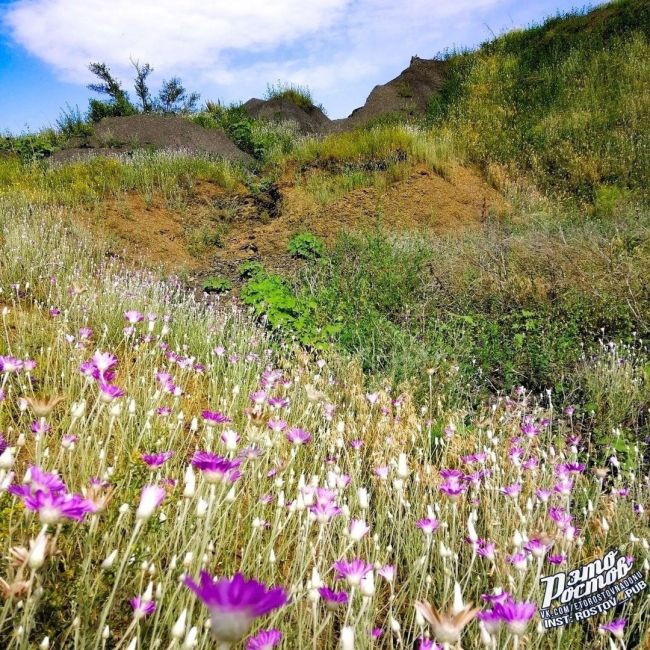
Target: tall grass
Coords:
[[563, 102], [171, 176], [373, 462]]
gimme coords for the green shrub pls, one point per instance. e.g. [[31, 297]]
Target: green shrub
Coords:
[[609, 199], [217, 284], [98, 109], [306, 246], [299, 95], [72, 124], [32, 147], [250, 269]]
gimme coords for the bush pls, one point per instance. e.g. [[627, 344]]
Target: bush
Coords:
[[99, 109], [217, 284], [250, 269], [299, 95], [32, 147], [263, 140], [306, 246], [72, 124]]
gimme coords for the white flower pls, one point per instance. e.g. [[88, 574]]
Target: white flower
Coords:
[[37, 552], [109, 560], [151, 497], [347, 638], [178, 629]]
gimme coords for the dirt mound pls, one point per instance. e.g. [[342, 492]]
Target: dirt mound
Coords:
[[310, 120], [408, 94], [423, 202], [122, 134]]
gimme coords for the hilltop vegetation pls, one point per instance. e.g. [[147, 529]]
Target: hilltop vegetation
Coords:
[[565, 102]]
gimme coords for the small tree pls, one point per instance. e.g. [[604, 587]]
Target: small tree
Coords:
[[174, 98], [110, 85], [140, 85], [118, 99]]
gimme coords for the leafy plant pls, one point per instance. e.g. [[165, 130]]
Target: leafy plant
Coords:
[[306, 246], [71, 123], [250, 269], [217, 284]]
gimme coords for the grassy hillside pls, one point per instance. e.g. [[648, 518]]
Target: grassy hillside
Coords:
[[565, 102]]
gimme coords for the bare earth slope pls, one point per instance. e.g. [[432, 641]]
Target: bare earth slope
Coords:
[[408, 94], [119, 134], [310, 120]]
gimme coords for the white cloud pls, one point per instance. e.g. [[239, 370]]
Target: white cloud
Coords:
[[173, 35], [233, 47]]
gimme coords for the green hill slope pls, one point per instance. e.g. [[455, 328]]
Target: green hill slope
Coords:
[[566, 101]]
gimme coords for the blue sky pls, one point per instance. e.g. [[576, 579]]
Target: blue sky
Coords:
[[230, 50]]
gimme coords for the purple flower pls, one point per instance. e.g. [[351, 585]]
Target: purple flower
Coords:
[[103, 362], [85, 333], [428, 526], [530, 429], [513, 490], [44, 481], [453, 485], [564, 487], [452, 490], [3, 444], [333, 599], [530, 463], [276, 425], [264, 640], [215, 417], [108, 392], [52, 507], [616, 627], [10, 364], [560, 516], [69, 440], [269, 378], [132, 316], [518, 560], [215, 468], [352, 571], [387, 572], [497, 596], [323, 510], [485, 548], [564, 469], [556, 559], [156, 460], [235, 603], [40, 427], [515, 615], [298, 436], [142, 608], [537, 547], [491, 620]]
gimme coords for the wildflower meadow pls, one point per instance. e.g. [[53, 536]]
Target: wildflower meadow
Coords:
[[173, 476]]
